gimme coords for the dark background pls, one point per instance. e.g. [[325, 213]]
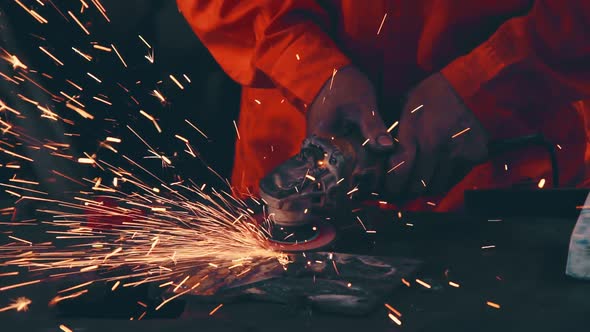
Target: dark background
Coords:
[[211, 101]]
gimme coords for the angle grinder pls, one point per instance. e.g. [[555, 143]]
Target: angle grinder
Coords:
[[305, 191]]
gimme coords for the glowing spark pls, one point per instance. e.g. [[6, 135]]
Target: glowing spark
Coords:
[[297, 57], [119, 55], [14, 61], [176, 81], [392, 309], [454, 284], [417, 108], [102, 100], [186, 78], [381, 25], [541, 183], [86, 161], [493, 305], [102, 48], [94, 77], [423, 283], [20, 285], [51, 56], [355, 189], [365, 142], [115, 285], [395, 167], [145, 42], [80, 111], [101, 9], [311, 178], [151, 56], [506, 167], [461, 132], [35, 15], [361, 222], [257, 101], [74, 85], [405, 282], [392, 126], [431, 203], [79, 23], [113, 139], [197, 129], [236, 127], [20, 304], [14, 154], [85, 56], [158, 95], [20, 240], [65, 328], [395, 319], [215, 310], [559, 146], [180, 284]]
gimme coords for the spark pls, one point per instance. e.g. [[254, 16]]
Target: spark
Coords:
[[395, 167], [361, 222], [431, 203], [22, 284], [461, 132], [102, 48], [80, 111], [405, 282], [20, 240], [309, 177], [197, 129], [541, 183], [101, 9], [145, 42], [488, 247], [86, 161], [394, 319], [51, 56], [186, 78], [79, 23], [236, 127], [558, 146], [381, 25], [297, 57], [20, 304], [113, 139], [176, 82], [35, 15], [493, 305], [115, 285], [65, 328], [417, 108], [94, 77], [454, 284], [365, 142], [392, 127], [257, 101], [392, 309], [423, 283], [158, 95], [14, 61], [82, 54], [119, 55], [102, 100]]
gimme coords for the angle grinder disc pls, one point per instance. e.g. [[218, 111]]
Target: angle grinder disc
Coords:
[[309, 237]]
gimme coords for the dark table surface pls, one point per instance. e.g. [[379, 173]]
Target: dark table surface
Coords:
[[523, 273]]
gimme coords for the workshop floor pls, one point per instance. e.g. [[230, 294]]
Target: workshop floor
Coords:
[[524, 274]]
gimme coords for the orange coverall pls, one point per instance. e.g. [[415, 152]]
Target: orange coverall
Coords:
[[521, 66]]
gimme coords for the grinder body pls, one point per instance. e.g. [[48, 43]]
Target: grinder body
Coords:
[[320, 178]]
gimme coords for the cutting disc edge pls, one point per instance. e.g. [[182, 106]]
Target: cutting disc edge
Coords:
[[326, 234]]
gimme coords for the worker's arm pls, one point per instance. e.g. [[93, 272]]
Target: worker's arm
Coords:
[[282, 44], [533, 63], [268, 43]]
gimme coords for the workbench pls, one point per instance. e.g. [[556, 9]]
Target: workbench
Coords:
[[520, 268]]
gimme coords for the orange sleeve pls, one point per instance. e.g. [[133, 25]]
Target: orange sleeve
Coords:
[[268, 43], [530, 64]]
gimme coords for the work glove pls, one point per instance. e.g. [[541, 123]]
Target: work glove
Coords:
[[440, 140], [347, 101]]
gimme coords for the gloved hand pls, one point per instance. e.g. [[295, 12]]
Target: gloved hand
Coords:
[[440, 140], [348, 100]]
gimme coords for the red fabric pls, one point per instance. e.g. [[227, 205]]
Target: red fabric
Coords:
[[522, 66]]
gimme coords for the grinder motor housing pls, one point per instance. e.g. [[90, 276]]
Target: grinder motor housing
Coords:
[[318, 178]]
